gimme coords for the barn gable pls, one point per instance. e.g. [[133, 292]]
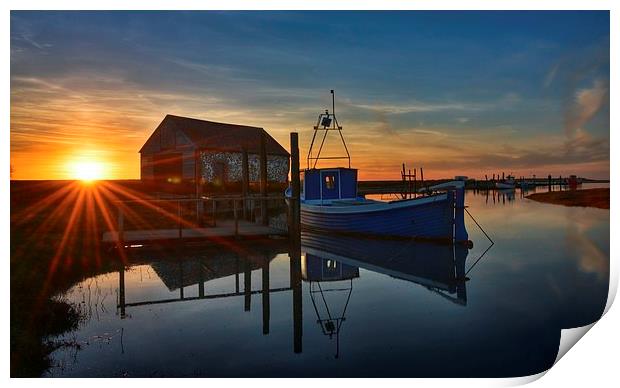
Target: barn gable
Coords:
[[176, 132], [183, 150]]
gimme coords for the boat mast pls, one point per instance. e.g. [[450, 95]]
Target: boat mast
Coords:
[[327, 122]]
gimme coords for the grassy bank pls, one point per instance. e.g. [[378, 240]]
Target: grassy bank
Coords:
[[54, 244], [598, 198]]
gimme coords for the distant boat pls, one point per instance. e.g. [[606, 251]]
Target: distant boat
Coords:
[[507, 183], [330, 202]]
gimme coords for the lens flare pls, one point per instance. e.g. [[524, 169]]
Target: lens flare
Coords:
[[87, 171]]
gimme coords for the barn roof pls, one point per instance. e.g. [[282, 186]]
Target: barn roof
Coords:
[[222, 136]]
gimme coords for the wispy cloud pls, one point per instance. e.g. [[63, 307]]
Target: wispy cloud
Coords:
[[416, 107], [587, 102]]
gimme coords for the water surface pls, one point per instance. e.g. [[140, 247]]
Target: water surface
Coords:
[[347, 307]]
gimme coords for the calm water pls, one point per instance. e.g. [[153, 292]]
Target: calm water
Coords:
[[346, 307]]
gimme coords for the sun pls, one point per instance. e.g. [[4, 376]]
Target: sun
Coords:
[[87, 171]]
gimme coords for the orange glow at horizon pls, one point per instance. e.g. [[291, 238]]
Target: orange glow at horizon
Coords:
[[87, 171]]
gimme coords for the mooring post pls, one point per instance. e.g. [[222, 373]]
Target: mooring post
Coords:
[[245, 181], [263, 178], [121, 290], [295, 227]]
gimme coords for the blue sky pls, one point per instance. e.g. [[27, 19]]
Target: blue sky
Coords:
[[471, 92]]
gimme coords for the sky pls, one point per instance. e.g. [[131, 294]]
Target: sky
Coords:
[[457, 93]]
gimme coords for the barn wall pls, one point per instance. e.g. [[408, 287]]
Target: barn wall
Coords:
[[146, 167], [212, 162], [189, 165]]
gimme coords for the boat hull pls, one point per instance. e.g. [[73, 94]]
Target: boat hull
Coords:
[[504, 186], [429, 218]]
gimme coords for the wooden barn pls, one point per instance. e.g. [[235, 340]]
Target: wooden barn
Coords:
[[190, 156]]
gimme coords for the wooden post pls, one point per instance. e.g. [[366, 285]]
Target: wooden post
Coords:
[[422, 176], [245, 181], [415, 182], [263, 178], [409, 187], [121, 227], [402, 174], [121, 290], [295, 224]]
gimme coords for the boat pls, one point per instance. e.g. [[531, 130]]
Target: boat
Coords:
[[329, 201], [506, 184]]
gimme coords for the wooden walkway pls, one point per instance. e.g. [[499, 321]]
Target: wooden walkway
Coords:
[[224, 228]]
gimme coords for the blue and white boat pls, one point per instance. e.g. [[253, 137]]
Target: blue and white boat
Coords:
[[330, 203]]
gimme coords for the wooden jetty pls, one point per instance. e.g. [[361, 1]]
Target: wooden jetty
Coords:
[[225, 228]]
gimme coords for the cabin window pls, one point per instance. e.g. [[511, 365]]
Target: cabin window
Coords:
[[330, 182]]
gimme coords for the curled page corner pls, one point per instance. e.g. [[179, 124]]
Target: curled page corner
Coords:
[[568, 339]]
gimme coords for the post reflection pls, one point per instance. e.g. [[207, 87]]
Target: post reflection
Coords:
[[295, 255]]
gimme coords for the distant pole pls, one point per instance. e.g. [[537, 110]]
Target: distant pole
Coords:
[[415, 183], [409, 187], [295, 224], [263, 178], [402, 174], [422, 176]]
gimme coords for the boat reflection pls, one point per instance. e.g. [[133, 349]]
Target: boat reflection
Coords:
[[331, 264]]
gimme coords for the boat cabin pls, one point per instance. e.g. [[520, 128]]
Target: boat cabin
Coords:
[[328, 184]]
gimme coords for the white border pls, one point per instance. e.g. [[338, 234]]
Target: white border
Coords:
[[594, 360]]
